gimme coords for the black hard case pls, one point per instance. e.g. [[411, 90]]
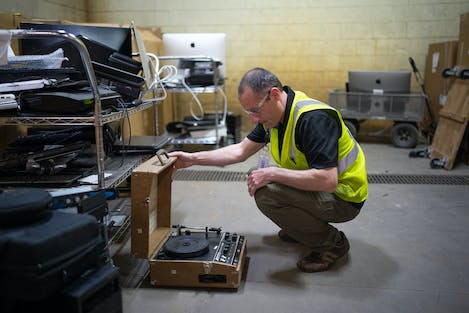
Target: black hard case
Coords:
[[23, 206], [42, 258], [96, 291]]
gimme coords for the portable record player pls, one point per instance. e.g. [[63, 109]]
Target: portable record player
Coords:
[[179, 256]]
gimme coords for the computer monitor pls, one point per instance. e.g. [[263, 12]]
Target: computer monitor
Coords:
[[379, 81], [116, 38], [196, 44], [369, 91]]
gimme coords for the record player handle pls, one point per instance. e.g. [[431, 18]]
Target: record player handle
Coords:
[[161, 153]]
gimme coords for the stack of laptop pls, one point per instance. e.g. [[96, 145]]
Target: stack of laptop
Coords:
[[141, 144]]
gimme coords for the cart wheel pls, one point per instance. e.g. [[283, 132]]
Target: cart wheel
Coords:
[[351, 127], [404, 135]]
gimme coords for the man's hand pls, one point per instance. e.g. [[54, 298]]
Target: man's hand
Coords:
[[183, 159], [259, 178]]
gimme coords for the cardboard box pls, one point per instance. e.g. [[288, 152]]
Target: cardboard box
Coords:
[[11, 21], [151, 37], [453, 123], [440, 56], [463, 52]]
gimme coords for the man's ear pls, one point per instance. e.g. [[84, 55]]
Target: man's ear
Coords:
[[275, 93]]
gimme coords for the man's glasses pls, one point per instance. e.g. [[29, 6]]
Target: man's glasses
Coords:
[[258, 109]]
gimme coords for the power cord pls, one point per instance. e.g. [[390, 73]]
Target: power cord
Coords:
[[127, 118], [162, 75]]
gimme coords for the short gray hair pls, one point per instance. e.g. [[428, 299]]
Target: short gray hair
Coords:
[[259, 80]]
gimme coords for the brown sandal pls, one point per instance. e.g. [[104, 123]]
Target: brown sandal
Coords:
[[323, 261]]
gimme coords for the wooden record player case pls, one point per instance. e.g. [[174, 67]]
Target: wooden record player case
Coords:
[[151, 228]]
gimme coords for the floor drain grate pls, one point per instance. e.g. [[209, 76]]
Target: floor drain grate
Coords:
[[230, 176], [418, 179], [211, 175]]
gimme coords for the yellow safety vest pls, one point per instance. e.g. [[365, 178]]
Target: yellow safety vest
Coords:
[[352, 180]]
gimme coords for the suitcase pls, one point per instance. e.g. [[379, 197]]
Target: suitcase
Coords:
[[42, 258], [96, 291], [23, 206]]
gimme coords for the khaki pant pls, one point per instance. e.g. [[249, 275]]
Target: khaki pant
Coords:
[[305, 215]]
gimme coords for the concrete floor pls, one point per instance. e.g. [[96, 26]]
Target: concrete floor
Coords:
[[408, 249]]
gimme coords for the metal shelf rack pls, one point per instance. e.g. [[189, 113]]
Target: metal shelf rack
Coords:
[[98, 119], [178, 88]]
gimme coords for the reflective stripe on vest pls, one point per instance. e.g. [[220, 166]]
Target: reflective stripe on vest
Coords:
[[349, 158], [346, 161], [298, 106]]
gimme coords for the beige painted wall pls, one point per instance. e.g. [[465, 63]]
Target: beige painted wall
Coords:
[[72, 10], [310, 44]]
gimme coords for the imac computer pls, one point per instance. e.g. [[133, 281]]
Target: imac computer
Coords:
[[196, 45], [370, 92], [379, 81]]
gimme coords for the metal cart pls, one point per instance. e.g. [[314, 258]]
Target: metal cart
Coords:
[[406, 110]]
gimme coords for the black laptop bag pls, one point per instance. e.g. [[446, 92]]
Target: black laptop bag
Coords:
[[39, 259], [22, 206]]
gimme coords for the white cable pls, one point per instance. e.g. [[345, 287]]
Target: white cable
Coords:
[[225, 105], [172, 73], [194, 96], [169, 70]]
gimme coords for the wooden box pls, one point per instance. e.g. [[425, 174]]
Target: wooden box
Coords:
[[151, 229]]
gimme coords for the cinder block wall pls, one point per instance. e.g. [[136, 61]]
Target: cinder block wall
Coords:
[[72, 10], [310, 44]]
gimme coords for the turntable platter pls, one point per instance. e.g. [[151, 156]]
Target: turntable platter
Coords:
[[186, 247]]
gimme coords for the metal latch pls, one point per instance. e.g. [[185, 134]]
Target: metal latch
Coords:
[[160, 153]]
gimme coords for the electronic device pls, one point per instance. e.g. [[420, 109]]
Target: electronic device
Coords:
[[200, 71], [196, 45], [141, 144], [9, 105], [379, 82], [23, 85], [116, 38], [50, 74], [72, 102], [206, 257], [8, 102], [373, 88], [6, 97], [179, 256]]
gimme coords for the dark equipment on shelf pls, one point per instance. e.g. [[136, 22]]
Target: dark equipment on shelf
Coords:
[[141, 144], [201, 71], [116, 38], [47, 162], [52, 157], [109, 49], [67, 101]]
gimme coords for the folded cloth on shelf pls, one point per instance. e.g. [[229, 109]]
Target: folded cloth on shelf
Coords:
[[5, 38]]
